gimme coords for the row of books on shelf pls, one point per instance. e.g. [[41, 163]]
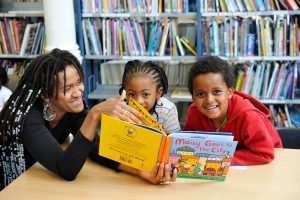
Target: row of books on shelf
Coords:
[[262, 80], [248, 5], [134, 6], [14, 65], [15, 69], [177, 72], [260, 36], [20, 36], [126, 37], [285, 115], [24, 1], [281, 115], [271, 80]]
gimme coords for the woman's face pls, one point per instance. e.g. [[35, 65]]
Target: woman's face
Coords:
[[70, 95]]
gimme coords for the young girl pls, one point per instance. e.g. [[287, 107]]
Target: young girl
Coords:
[[147, 83]]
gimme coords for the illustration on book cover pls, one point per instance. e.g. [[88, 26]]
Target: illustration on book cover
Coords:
[[205, 160]]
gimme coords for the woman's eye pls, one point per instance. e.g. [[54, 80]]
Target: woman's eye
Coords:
[[67, 89]]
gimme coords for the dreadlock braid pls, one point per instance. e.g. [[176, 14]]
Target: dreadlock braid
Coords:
[[38, 79]]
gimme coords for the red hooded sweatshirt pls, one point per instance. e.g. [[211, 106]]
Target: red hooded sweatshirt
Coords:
[[247, 120]]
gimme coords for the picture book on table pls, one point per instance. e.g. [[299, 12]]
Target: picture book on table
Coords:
[[203, 155]]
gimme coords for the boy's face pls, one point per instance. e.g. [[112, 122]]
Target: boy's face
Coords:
[[143, 90], [211, 95]]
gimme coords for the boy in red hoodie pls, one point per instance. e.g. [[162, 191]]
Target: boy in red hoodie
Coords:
[[217, 107]]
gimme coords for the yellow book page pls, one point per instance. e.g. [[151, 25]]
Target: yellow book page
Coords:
[[147, 119], [129, 144]]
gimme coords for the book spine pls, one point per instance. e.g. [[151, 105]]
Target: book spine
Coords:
[[165, 149], [161, 50]]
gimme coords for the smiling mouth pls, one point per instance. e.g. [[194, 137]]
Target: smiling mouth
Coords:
[[211, 107], [77, 101]]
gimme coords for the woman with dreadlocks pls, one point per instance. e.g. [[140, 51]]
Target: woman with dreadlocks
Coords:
[[45, 108], [147, 83]]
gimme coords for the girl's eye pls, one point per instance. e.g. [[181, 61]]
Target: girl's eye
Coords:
[[146, 94], [131, 95], [79, 82]]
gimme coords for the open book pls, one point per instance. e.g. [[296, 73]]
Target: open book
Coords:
[[147, 118], [203, 155]]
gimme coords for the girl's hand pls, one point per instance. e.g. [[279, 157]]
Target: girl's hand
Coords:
[[160, 175]]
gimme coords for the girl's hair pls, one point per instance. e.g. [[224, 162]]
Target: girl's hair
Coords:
[[211, 64], [39, 79], [148, 68]]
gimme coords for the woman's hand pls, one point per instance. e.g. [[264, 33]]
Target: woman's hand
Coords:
[[160, 175], [115, 107]]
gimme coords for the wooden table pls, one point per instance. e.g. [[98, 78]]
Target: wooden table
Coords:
[[277, 180]]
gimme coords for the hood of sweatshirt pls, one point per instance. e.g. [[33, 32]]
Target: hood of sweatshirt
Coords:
[[241, 104]]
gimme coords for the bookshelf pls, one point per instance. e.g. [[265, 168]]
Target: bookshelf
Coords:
[[19, 44], [208, 14], [264, 36], [134, 15]]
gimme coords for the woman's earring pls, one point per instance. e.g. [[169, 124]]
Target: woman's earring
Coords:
[[49, 112]]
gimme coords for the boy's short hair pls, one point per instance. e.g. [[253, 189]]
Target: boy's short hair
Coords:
[[211, 64]]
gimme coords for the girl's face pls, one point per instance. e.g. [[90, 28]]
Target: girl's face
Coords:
[[143, 89], [211, 95], [72, 100]]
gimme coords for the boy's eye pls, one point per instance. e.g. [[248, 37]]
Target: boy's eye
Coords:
[[79, 82], [199, 94], [217, 91]]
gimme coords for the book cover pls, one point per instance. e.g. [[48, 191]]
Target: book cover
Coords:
[[147, 118], [176, 38], [151, 38], [162, 45], [188, 45], [35, 40], [28, 38], [272, 81], [203, 155]]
